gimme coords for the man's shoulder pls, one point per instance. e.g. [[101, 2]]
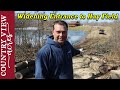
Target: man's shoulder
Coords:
[[45, 49], [68, 43]]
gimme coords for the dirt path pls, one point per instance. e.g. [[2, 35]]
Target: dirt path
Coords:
[[94, 33]]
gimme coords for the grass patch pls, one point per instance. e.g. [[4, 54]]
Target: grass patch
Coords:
[[86, 28], [77, 28]]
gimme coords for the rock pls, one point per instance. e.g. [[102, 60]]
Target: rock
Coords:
[[86, 63], [83, 73], [87, 56], [115, 74], [95, 65], [95, 58]]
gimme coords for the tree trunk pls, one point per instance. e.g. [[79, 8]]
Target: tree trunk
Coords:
[[21, 65]]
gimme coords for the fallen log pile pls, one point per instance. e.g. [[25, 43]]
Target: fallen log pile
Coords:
[[24, 69]]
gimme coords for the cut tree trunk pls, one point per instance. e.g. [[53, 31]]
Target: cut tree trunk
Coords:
[[20, 74], [21, 65]]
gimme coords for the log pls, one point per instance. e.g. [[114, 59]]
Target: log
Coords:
[[103, 69], [31, 68], [20, 74], [21, 65], [31, 63], [29, 71]]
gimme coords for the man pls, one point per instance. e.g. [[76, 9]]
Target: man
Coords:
[[54, 59]]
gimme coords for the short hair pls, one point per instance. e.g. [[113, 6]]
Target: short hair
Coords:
[[61, 22]]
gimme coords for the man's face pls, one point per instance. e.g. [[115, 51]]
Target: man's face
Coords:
[[59, 33]]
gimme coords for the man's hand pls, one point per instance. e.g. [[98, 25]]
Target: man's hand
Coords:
[[81, 50]]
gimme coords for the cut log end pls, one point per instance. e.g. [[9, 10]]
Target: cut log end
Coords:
[[103, 69], [18, 75]]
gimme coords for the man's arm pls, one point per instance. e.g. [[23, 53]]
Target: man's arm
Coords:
[[41, 65], [76, 51]]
